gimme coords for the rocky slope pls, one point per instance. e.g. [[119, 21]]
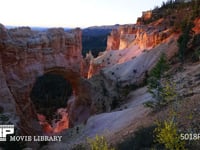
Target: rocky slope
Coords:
[[113, 124], [132, 50]]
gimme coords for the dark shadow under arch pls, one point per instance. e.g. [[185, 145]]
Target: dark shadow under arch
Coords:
[[50, 92]]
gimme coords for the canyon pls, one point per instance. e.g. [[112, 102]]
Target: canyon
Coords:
[[108, 90], [27, 55]]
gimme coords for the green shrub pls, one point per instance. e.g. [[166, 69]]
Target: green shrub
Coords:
[[163, 91], [162, 66], [150, 104], [167, 134], [99, 143], [163, 95], [168, 92]]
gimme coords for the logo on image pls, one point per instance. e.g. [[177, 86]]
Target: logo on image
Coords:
[[5, 130]]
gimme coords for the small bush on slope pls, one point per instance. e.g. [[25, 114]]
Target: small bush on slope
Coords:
[[99, 143], [163, 91], [167, 134]]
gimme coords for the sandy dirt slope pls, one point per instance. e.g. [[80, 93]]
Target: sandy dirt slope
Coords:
[[113, 125]]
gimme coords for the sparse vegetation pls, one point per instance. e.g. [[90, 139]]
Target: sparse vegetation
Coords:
[[162, 90], [167, 133], [96, 143], [99, 143], [163, 94], [160, 68]]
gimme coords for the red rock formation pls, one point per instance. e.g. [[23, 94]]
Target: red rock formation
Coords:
[[86, 64], [27, 54], [144, 37], [113, 40], [127, 35], [196, 28], [94, 68], [150, 36]]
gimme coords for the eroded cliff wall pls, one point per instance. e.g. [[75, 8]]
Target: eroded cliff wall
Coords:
[[128, 42]]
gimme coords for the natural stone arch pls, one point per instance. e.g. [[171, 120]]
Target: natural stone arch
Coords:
[[79, 108], [50, 94], [24, 106], [25, 55], [69, 74]]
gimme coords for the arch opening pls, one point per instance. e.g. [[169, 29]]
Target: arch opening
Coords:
[[50, 95]]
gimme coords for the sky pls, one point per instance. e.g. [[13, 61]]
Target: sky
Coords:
[[73, 13]]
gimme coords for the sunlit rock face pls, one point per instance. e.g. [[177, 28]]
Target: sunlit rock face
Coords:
[[120, 38], [113, 40], [143, 36], [86, 64], [128, 42], [27, 54], [57, 125], [196, 27]]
